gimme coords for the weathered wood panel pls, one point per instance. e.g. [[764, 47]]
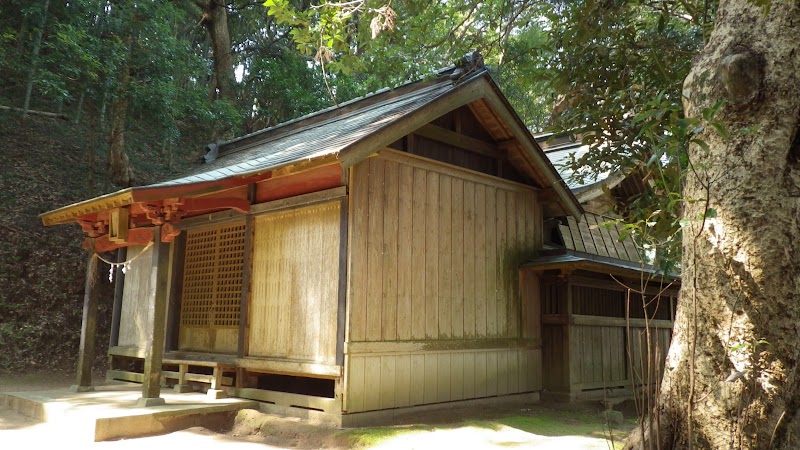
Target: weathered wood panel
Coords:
[[434, 259], [357, 296], [646, 368], [435, 251], [397, 380], [599, 355], [134, 314], [212, 288], [295, 284], [404, 252], [555, 357]]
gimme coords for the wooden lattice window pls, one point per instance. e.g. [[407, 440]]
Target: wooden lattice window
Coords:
[[212, 276]]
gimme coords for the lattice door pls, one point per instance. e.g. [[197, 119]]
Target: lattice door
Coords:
[[212, 276]]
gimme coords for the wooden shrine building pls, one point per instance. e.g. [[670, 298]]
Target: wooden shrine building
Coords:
[[602, 306], [361, 258]]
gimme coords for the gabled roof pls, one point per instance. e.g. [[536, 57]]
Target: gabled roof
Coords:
[[348, 134], [281, 145], [586, 184]]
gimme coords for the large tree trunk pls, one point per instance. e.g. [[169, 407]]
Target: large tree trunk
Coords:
[[118, 163], [215, 19], [739, 313]]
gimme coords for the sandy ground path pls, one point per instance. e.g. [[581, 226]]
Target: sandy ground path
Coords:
[[443, 430]]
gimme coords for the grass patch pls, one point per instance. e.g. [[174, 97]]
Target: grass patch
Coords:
[[372, 436], [561, 423], [546, 423]]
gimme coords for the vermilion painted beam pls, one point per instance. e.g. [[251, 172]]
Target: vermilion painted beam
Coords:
[[136, 236], [313, 180], [148, 194]]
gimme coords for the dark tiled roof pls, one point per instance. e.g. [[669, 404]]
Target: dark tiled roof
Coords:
[[338, 131], [319, 139]]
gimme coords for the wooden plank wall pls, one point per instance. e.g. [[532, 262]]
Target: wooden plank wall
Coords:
[[555, 357], [385, 381], [293, 310], [597, 356], [591, 348], [134, 316], [434, 257], [659, 345]]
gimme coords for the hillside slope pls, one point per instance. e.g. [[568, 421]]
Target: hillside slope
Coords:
[[45, 166]]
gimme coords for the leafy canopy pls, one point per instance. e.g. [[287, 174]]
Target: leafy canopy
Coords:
[[609, 72]]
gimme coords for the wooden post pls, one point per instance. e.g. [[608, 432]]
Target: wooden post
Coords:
[[88, 328], [247, 270], [155, 332], [242, 348], [215, 391], [119, 286], [341, 315], [176, 286]]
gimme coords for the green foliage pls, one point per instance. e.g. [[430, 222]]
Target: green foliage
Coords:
[[619, 68], [608, 72]]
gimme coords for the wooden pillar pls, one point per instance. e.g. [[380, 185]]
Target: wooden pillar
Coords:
[[242, 348], [247, 269], [119, 286], [88, 328], [175, 291], [155, 327], [341, 315]]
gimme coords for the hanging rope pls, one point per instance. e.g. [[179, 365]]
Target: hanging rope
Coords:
[[124, 264]]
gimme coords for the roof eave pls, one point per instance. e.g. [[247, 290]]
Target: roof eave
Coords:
[[67, 214], [601, 264], [551, 177]]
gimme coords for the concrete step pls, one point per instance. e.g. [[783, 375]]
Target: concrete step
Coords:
[[111, 412]]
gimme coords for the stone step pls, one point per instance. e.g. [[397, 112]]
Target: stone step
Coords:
[[111, 412]]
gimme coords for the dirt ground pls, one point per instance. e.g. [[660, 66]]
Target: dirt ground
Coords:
[[538, 426]]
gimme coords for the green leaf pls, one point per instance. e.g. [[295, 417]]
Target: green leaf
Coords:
[[702, 144], [721, 129]]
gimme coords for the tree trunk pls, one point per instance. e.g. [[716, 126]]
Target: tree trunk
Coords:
[[215, 19], [732, 378], [121, 173], [37, 45], [77, 119]]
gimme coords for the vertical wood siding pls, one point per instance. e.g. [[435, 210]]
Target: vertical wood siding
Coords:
[[435, 253], [134, 316], [399, 380], [435, 256], [295, 284]]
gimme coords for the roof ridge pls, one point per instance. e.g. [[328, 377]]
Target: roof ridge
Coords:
[[327, 121], [438, 78]]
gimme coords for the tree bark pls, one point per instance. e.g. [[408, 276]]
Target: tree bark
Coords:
[[118, 163], [37, 45], [732, 378], [215, 19]]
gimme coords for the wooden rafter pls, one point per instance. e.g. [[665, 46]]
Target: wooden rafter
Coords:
[[459, 140]]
